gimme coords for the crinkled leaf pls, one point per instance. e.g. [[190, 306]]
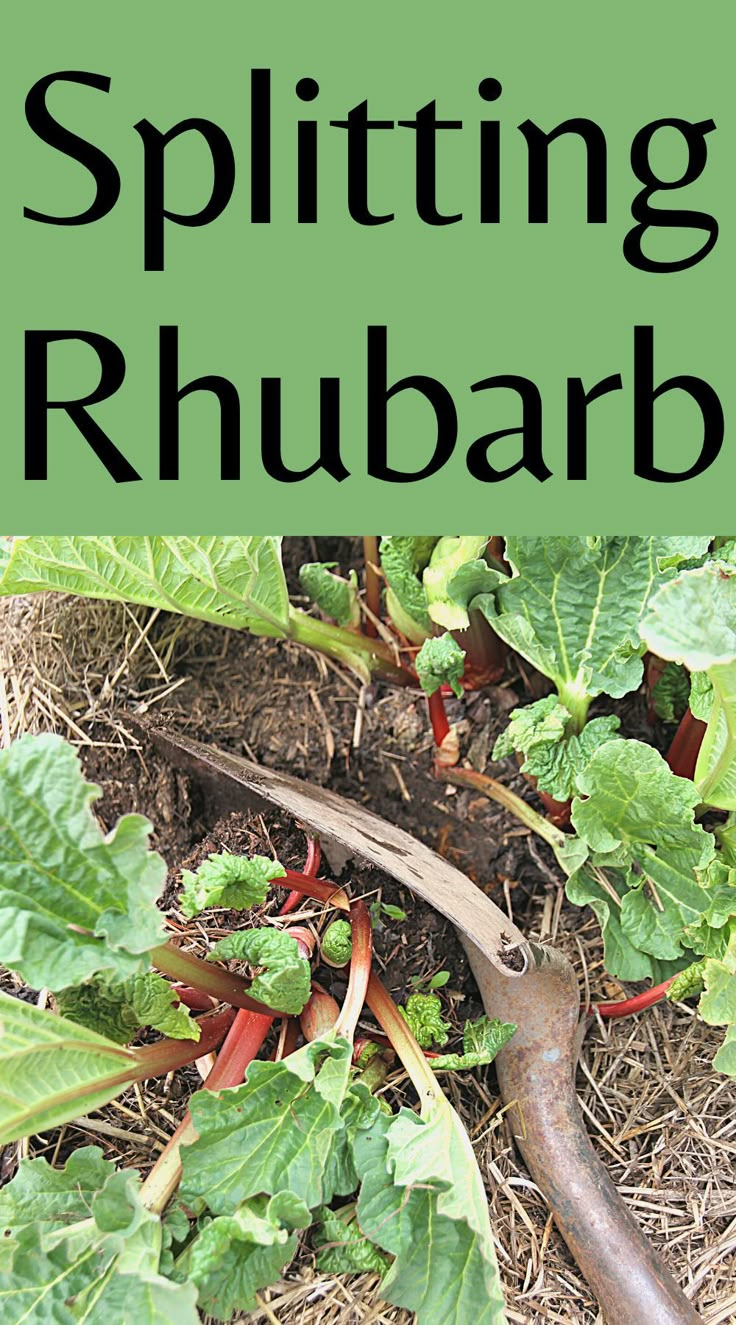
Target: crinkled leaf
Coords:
[[104, 1267], [718, 1003], [117, 1009], [701, 696], [448, 556], [58, 871], [440, 661], [555, 754], [687, 983], [423, 1015], [227, 880], [342, 1248], [358, 1110], [285, 985], [272, 1134], [53, 1198], [482, 1040], [671, 693], [53, 1069], [403, 558], [638, 818], [335, 596], [622, 958], [234, 1256], [573, 606], [422, 1200], [692, 620], [232, 581]]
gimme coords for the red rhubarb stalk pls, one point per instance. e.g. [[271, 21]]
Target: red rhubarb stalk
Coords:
[[360, 970], [682, 755], [628, 1006], [246, 1035], [311, 865]]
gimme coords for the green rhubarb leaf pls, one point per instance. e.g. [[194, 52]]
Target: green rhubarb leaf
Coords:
[[718, 1003], [671, 693], [423, 1015], [603, 892], [119, 1009], [234, 1256], [403, 558], [50, 1198], [272, 1134], [333, 595], [636, 816], [53, 1069], [440, 661], [448, 556], [573, 605], [555, 754], [232, 581], [692, 620], [687, 983], [104, 1267], [342, 1248], [64, 886], [230, 881], [482, 1040], [285, 984], [422, 1200]]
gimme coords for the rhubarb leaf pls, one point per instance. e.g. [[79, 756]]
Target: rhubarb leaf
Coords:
[[234, 1256], [105, 1267], [403, 558], [336, 597], [272, 1134], [229, 881], [692, 620], [64, 887], [232, 581], [53, 1198], [555, 754], [636, 816], [482, 1040], [718, 1003], [117, 1010], [440, 661], [286, 983], [342, 1248], [422, 1200], [573, 605], [423, 1016], [448, 556], [53, 1069], [671, 693]]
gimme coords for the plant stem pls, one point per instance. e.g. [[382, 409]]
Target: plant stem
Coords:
[[390, 1019], [244, 1039], [360, 969], [208, 977], [638, 1003], [311, 865], [320, 889], [577, 704], [438, 717], [468, 777], [362, 655], [682, 755], [372, 582]]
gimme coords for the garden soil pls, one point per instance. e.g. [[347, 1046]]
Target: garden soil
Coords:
[[663, 1122]]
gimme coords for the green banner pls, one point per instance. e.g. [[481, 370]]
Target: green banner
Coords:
[[298, 265]]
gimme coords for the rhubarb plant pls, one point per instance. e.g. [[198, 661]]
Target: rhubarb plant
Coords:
[[300, 1141]]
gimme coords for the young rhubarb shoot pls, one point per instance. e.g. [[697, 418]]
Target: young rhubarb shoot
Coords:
[[337, 944], [284, 983], [554, 753], [423, 1015], [336, 597]]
